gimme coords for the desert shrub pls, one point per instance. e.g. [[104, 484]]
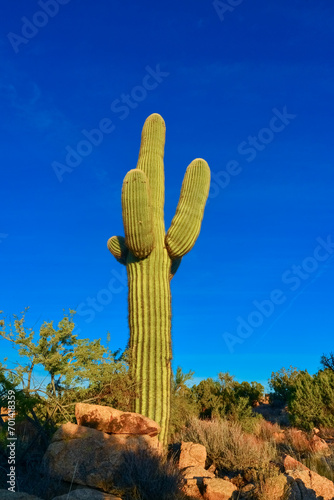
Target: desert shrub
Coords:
[[282, 384], [227, 398], [253, 391], [265, 430], [228, 446], [241, 412], [32, 440], [311, 403], [145, 474], [209, 398], [297, 442], [272, 487]]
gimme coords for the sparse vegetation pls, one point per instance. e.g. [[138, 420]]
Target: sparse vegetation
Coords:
[[218, 413], [228, 447]]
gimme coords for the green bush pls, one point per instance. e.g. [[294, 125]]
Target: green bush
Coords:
[[253, 391], [311, 402], [227, 398], [282, 384]]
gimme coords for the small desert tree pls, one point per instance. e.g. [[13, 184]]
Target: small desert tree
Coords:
[[74, 369]]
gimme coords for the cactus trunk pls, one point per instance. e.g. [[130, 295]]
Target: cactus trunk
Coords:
[[152, 257], [150, 339]]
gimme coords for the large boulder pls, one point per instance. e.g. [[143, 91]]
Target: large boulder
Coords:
[[90, 457], [218, 489], [112, 421], [306, 484], [192, 454]]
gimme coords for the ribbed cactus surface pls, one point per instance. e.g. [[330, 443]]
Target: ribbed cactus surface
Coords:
[[152, 257]]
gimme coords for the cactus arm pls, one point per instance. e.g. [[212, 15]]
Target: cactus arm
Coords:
[[151, 161], [186, 224], [118, 248], [137, 215]]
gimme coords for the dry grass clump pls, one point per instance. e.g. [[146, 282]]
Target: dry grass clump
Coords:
[[273, 488], [298, 441], [145, 474], [228, 447], [268, 431], [327, 433]]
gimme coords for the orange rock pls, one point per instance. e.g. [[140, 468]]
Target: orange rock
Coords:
[[197, 473], [305, 483], [112, 421], [191, 489], [218, 489], [192, 455], [291, 464], [89, 457]]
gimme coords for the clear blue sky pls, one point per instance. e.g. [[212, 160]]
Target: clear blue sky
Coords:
[[248, 87]]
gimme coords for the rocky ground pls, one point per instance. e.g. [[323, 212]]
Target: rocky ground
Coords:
[[85, 460]]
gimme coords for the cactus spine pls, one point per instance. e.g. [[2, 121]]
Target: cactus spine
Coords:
[[152, 257]]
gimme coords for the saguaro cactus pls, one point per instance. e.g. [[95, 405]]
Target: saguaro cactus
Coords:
[[152, 258]]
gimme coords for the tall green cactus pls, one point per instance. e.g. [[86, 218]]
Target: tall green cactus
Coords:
[[152, 257]]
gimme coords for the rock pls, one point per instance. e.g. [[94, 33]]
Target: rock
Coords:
[[212, 468], [306, 484], [218, 489], [310, 485], [191, 489], [198, 473], [192, 454], [18, 495], [107, 419], [89, 457], [86, 494], [290, 463]]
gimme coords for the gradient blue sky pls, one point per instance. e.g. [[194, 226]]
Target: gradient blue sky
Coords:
[[250, 89]]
